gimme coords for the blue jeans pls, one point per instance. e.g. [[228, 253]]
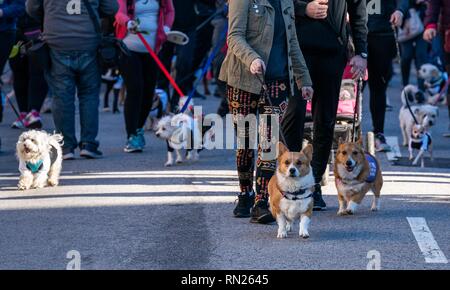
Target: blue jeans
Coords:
[[75, 73], [415, 49]]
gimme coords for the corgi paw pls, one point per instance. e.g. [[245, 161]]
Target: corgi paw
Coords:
[[168, 164], [304, 235], [342, 212], [282, 235]]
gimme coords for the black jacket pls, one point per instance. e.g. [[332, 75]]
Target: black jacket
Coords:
[[379, 17], [330, 35]]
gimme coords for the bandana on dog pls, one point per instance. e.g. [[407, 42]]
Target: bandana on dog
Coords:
[[35, 167]]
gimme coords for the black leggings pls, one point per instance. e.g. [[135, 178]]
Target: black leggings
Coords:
[[381, 51], [30, 86], [139, 72], [326, 73]]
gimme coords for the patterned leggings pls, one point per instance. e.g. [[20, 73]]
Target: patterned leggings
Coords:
[[244, 103]]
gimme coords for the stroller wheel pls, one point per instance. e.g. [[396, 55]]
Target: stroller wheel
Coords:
[[370, 143]]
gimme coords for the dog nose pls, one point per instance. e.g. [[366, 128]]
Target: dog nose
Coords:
[[157, 134], [348, 163], [292, 170], [430, 123]]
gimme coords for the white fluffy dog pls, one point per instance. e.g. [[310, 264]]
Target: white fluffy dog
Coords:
[[435, 82], [178, 130], [426, 115], [40, 159]]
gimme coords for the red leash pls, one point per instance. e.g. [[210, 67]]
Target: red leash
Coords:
[[160, 64]]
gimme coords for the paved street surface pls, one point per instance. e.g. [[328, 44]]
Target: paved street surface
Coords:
[[127, 211]]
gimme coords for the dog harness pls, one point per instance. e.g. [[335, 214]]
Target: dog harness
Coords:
[[373, 168], [36, 167], [297, 195], [423, 144]]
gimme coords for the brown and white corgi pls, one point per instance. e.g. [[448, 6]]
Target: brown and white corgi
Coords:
[[356, 172], [291, 190]]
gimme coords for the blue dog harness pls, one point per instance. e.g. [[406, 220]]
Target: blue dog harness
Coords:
[[373, 168], [36, 167]]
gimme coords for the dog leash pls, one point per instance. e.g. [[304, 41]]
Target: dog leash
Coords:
[[264, 94], [410, 110], [356, 110]]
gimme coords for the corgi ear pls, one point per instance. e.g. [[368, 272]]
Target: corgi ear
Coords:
[[308, 151], [281, 148]]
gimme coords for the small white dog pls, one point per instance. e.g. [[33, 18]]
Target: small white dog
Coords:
[[179, 133], [40, 159], [426, 115], [435, 82]]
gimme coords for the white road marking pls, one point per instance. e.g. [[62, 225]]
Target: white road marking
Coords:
[[426, 241], [395, 153]]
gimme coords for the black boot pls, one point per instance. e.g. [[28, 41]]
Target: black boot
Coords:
[[261, 213], [319, 203], [245, 203]]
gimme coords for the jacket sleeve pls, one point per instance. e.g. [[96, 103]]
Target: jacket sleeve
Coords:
[[169, 13], [237, 26], [35, 9], [432, 13], [300, 8], [14, 10], [108, 7], [301, 71], [122, 14], [358, 23]]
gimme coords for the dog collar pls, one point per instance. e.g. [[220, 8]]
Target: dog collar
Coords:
[[35, 167], [297, 195]]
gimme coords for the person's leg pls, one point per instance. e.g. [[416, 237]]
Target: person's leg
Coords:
[[19, 67], [447, 66], [61, 80], [294, 122], [149, 77], [131, 68], [326, 73], [38, 88], [407, 54], [7, 39], [109, 87], [165, 55], [421, 57], [89, 81]]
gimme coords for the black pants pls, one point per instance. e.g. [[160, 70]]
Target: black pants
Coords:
[[30, 86], [7, 39], [139, 72], [183, 66], [381, 50], [326, 70], [203, 42], [447, 67]]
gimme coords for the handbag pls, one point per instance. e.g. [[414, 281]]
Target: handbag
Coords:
[[412, 28], [110, 48]]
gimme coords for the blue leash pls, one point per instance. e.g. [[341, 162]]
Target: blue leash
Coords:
[[205, 69]]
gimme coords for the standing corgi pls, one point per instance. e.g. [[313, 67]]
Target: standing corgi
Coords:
[[356, 172]]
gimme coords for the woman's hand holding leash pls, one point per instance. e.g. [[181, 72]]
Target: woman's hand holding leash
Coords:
[[359, 66], [258, 67]]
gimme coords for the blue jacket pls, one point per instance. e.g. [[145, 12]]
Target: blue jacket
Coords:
[[12, 9]]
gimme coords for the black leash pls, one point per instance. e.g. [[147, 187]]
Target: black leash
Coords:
[[356, 111], [409, 108], [265, 95]]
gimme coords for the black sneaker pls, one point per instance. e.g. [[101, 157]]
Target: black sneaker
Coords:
[[319, 203], [245, 203], [261, 213], [68, 154], [91, 154]]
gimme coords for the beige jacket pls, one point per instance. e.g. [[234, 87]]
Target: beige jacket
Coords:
[[250, 35]]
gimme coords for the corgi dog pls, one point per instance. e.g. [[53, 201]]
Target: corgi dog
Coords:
[[291, 190], [356, 172]]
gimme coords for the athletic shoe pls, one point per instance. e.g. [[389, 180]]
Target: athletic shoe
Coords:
[[447, 134], [319, 203], [33, 120], [134, 144], [91, 154], [261, 214], [140, 133], [68, 154], [20, 123], [380, 143], [245, 203], [106, 109]]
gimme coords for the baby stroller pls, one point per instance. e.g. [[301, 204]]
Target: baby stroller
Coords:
[[348, 119]]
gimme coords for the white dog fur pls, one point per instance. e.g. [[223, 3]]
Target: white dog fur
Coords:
[[37, 147]]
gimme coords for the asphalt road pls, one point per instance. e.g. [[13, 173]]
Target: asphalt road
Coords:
[[127, 211]]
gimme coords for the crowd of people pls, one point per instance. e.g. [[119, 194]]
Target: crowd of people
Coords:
[[278, 55]]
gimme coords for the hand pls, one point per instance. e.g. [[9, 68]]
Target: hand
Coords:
[[359, 66], [317, 9], [429, 34], [307, 93], [397, 18], [258, 66], [132, 26]]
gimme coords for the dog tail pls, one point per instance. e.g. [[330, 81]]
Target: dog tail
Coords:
[[408, 93], [57, 138]]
